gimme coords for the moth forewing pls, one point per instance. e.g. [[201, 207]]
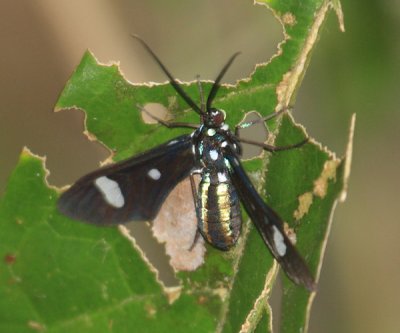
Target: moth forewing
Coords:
[[131, 190], [270, 226]]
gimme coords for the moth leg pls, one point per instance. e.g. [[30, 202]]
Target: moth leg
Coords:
[[274, 148], [167, 123], [195, 239], [195, 200], [265, 146], [259, 120]]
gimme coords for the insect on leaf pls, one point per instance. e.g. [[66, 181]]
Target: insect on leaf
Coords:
[[59, 275]]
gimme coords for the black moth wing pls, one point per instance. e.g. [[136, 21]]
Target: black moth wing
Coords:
[[270, 226], [133, 189]]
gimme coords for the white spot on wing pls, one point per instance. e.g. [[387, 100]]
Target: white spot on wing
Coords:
[[111, 191], [225, 127], [154, 174], [279, 241], [224, 144], [222, 177], [214, 155], [172, 142]]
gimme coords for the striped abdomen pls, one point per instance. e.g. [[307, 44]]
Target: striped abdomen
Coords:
[[218, 211]]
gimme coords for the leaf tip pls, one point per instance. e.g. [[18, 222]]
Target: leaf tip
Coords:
[[348, 158], [337, 7]]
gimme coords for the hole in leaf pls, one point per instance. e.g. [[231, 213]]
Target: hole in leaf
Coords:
[[154, 252], [157, 110], [167, 246], [256, 132], [275, 301]]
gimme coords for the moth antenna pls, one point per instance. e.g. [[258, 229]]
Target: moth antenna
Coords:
[[173, 82], [216, 84], [201, 93]]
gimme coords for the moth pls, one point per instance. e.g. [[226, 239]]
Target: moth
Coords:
[[135, 189]]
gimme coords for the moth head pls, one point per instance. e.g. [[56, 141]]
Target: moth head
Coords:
[[214, 118]]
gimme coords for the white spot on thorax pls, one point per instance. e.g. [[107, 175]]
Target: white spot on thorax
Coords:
[[225, 127], [279, 241], [222, 177], [110, 191], [211, 132], [154, 174], [213, 154]]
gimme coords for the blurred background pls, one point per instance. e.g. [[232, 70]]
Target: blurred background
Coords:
[[356, 71]]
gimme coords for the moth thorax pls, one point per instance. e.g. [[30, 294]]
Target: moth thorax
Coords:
[[212, 155]]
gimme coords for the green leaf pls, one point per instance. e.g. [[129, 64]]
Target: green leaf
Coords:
[[58, 275]]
